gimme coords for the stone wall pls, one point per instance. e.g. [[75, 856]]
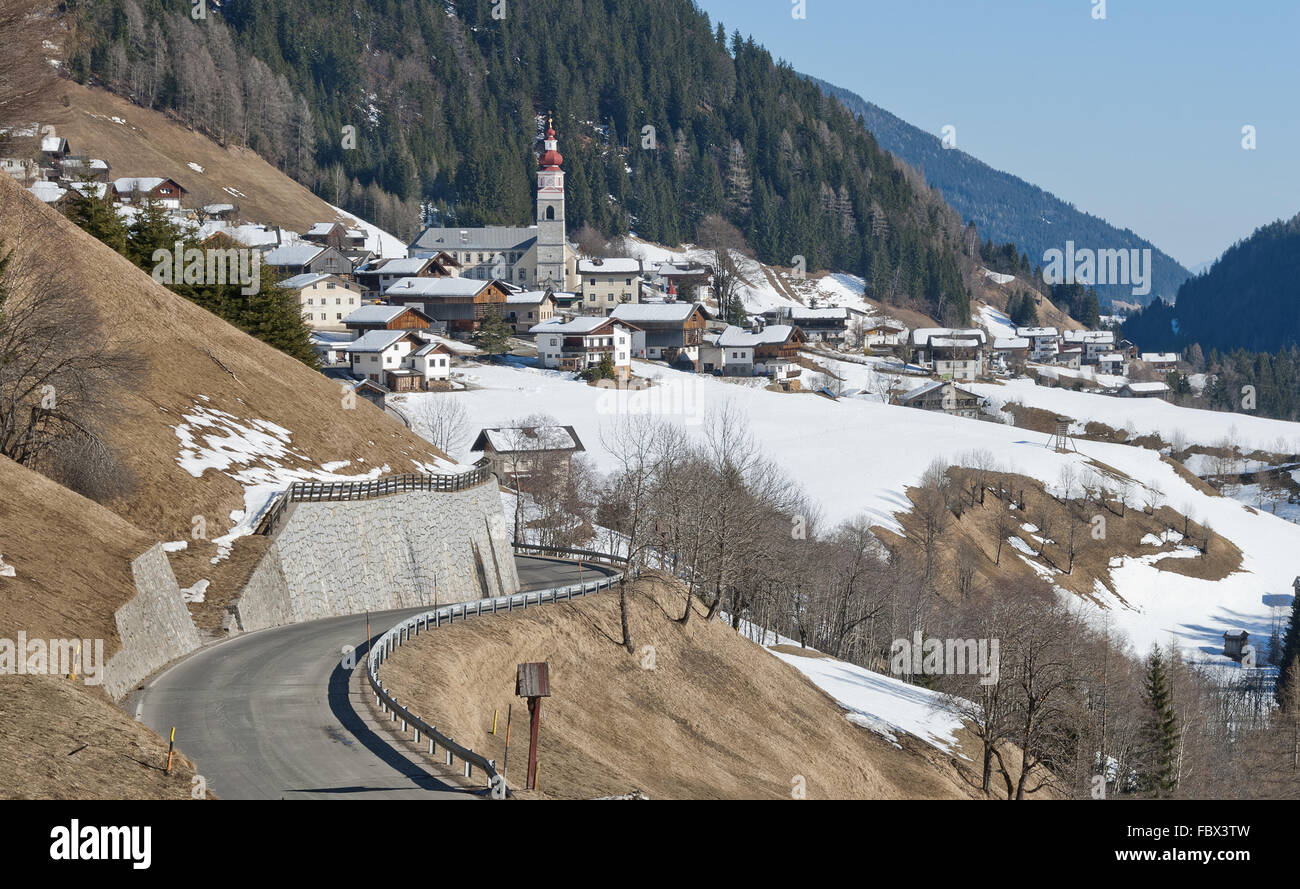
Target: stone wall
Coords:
[[155, 627], [405, 551]]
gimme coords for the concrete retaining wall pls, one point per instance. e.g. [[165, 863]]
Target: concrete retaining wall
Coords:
[[155, 627], [404, 551]]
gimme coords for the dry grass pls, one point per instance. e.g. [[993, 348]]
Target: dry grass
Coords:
[[64, 740], [152, 144], [1124, 536], [717, 717], [188, 353], [72, 560]]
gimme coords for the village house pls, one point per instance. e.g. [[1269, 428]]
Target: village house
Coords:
[[942, 396], [608, 283], [77, 168], [1112, 363], [459, 303], [219, 212], [526, 309], [399, 359], [1044, 342], [139, 189], [736, 352], [517, 452], [828, 325], [1011, 353], [1163, 361], [304, 259], [581, 343], [671, 332], [949, 352], [379, 317], [325, 299], [336, 234], [885, 334], [691, 278], [1144, 390], [1070, 357], [1094, 343], [377, 276]]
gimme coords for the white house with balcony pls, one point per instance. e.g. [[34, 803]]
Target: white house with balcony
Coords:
[[583, 342]]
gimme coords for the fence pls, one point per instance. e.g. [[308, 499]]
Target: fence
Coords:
[[383, 647], [317, 492]]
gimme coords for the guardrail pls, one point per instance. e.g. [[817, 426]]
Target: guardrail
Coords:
[[383, 647], [319, 492]]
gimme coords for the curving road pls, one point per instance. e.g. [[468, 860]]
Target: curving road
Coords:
[[276, 715]]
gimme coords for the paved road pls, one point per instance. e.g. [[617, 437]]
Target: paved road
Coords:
[[274, 714]]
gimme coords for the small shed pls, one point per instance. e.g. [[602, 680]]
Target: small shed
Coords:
[[1234, 644]]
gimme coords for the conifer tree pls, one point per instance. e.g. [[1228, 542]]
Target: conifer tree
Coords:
[[493, 334], [1160, 730]]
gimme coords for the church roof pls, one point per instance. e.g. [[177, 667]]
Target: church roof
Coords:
[[492, 238]]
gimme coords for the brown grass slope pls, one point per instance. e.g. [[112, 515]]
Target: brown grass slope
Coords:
[[152, 144], [717, 716], [185, 353], [61, 739]]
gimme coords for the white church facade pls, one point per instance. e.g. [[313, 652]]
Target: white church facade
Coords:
[[535, 257]]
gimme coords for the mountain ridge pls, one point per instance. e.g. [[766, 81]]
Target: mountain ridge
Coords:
[[979, 192]]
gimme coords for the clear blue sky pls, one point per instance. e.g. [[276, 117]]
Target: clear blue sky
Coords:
[[1136, 118]]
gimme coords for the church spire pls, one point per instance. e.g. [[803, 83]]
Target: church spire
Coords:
[[551, 158]]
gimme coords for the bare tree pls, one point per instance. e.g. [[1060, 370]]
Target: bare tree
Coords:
[[443, 421], [59, 370], [727, 246]]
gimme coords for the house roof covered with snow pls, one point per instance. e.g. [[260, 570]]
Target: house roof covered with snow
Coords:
[[1010, 343], [298, 282], [922, 336], [830, 313], [293, 254], [615, 266], [494, 238], [1037, 333], [436, 287], [376, 314], [1160, 357], [377, 340], [661, 312], [583, 324], [523, 439]]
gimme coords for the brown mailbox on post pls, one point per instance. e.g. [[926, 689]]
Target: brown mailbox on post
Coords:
[[533, 681]]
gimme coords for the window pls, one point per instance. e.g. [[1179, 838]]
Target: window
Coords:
[[374, 358], [550, 212], [309, 300], [338, 316]]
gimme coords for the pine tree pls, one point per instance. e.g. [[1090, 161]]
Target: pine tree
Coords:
[[493, 334], [1160, 730], [98, 216]]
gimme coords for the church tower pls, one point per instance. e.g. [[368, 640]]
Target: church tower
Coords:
[[551, 234]]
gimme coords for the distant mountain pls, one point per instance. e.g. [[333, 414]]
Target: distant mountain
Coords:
[[1249, 299], [1004, 207]]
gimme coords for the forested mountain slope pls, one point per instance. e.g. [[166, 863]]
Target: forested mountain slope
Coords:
[[663, 120], [1005, 207]]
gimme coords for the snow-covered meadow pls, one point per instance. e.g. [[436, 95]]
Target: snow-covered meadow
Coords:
[[855, 456]]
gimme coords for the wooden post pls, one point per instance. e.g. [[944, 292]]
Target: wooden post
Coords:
[[171, 745], [534, 723], [533, 681]]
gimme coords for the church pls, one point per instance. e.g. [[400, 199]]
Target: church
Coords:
[[535, 257]]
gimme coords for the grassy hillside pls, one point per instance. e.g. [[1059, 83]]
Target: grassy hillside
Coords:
[[716, 717], [246, 413], [72, 570], [141, 142]]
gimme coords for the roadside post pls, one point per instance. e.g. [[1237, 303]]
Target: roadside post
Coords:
[[533, 681]]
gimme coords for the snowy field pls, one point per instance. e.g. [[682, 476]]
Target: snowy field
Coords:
[[885, 705], [759, 291], [1147, 416], [856, 456]]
